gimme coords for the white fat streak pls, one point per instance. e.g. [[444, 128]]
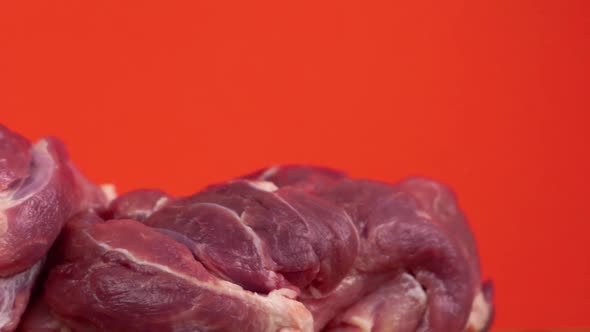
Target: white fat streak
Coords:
[[480, 313], [269, 172], [40, 179], [363, 323], [160, 203], [266, 186], [423, 214], [416, 292], [146, 213], [314, 292], [110, 191], [286, 292], [278, 303], [9, 289]]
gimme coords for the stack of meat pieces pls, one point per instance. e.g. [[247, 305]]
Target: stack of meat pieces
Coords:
[[290, 248]]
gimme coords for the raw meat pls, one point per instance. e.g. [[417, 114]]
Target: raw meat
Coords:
[[279, 237], [121, 275], [287, 248], [290, 248], [414, 227], [40, 189]]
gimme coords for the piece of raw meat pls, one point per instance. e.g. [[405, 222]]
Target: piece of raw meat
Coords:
[[40, 189], [262, 238], [414, 227], [289, 248], [121, 275]]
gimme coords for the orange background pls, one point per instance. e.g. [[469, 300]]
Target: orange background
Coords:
[[492, 97]]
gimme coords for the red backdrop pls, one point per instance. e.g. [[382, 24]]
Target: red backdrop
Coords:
[[491, 97]]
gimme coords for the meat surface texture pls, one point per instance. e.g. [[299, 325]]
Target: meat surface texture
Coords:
[[282, 249], [40, 189]]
